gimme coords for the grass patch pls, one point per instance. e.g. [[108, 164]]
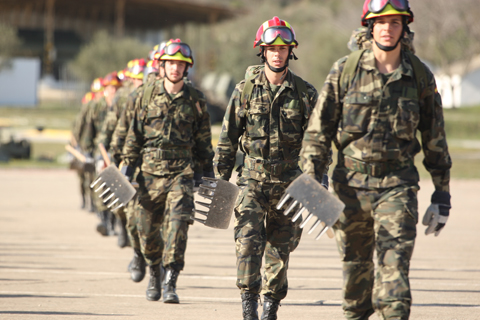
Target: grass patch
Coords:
[[46, 115], [462, 123]]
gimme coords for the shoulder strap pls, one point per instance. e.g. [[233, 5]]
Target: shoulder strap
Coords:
[[197, 110], [302, 91], [349, 71], [147, 96], [420, 74], [247, 91]]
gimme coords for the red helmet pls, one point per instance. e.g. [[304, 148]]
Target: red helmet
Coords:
[[136, 70], [97, 85], [111, 79], [380, 8], [175, 50], [275, 32]]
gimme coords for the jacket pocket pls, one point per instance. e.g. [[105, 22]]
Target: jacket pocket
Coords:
[[257, 120], [406, 118], [357, 111]]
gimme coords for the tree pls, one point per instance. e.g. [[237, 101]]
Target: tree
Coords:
[[9, 43], [104, 54]]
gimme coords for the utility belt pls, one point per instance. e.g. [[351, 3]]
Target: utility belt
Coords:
[[272, 167], [162, 154], [376, 169]]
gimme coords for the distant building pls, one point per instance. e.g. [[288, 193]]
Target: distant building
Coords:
[[459, 90], [19, 82]]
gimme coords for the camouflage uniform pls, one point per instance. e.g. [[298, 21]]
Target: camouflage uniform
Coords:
[[165, 133], [116, 148], [271, 129], [95, 117], [77, 131], [109, 125], [373, 125]]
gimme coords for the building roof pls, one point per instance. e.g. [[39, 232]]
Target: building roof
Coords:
[[136, 14]]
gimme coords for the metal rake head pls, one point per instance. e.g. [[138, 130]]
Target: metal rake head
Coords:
[[222, 195], [114, 187], [311, 198]]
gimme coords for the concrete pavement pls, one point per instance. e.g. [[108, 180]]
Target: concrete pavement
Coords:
[[53, 265]]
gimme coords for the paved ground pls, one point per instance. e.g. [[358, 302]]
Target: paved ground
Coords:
[[53, 265]]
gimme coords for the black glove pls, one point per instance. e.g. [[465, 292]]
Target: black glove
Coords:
[[325, 181], [437, 213], [127, 171]]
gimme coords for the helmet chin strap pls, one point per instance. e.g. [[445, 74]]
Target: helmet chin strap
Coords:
[[174, 82], [281, 69], [390, 48]]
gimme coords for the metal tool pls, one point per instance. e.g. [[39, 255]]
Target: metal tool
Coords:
[[87, 163], [222, 195], [308, 195], [114, 187]]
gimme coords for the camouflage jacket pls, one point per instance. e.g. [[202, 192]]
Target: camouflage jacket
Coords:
[[80, 120], [167, 132], [270, 129], [374, 128], [93, 125], [113, 114]]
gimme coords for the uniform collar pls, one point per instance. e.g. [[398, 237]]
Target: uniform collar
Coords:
[[368, 63], [261, 79], [160, 89]]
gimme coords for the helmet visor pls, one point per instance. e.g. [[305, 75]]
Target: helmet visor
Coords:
[[377, 6], [176, 47], [271, 34]]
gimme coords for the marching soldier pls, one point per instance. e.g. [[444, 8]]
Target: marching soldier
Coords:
[[372, 104], [171, 123], [268, 113], [129, 84]]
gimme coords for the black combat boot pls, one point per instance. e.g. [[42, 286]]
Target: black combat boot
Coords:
[[102, 226], [122, 240], [250, 306], [111, 220], [270, 308], [137, 266], [154, 291], [93, 207], [169, 294]]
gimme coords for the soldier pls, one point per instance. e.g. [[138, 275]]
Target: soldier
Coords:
[[269, 112], [118, 105], [83, 133], [94, 122], [172, 121], [372, 104], [137, 266], [77, 129]]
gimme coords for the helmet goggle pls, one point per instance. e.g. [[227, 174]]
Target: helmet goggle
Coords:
[[377, 6], [175, 47], [270, 36]]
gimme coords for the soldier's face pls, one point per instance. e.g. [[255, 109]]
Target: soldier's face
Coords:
[[161, 72], [175, 69], [276, 55], [387, 30], [110, 91]]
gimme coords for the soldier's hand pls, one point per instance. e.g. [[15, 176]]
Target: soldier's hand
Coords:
[[197, 181], [127, 171], [437, 213]]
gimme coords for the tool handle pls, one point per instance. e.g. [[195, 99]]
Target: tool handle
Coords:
[[73, 141], [104, 153], [330, 233], [77, 154]]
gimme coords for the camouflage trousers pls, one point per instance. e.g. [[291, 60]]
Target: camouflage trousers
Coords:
[[262, 229], [132, 221], [160, 197], [383, 220]]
